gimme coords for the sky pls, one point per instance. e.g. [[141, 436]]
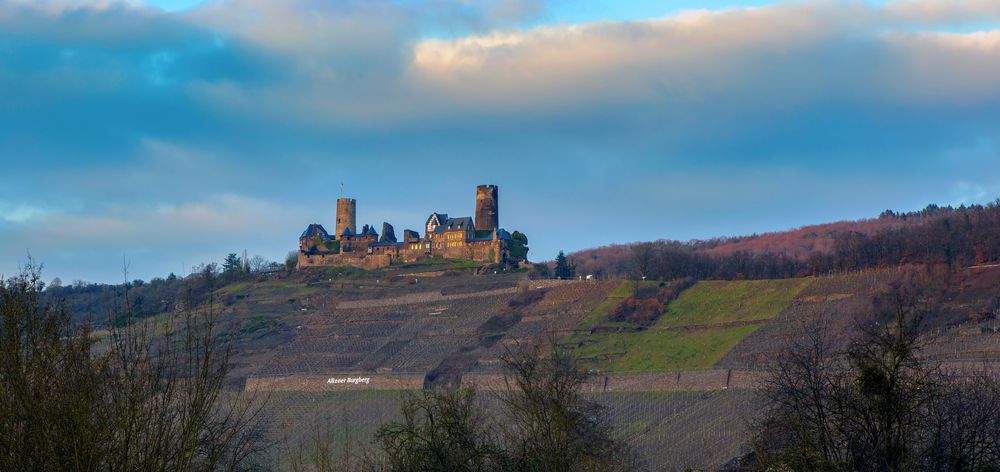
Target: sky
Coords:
[[167, 133]]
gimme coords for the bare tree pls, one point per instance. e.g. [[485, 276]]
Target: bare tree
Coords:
[[440, 430], [642, 259], [134, 399], [541, 421], [549, 424], [327, 448], [877, 405], [258, 263], [964, 426]]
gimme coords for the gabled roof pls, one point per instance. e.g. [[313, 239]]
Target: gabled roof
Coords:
[[501, 233], [347, 232], [314, 230], [369, 231], [455, 224], [441, 218]]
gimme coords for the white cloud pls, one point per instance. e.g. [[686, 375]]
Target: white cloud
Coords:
[[788, 53], [20, 213], [944, 11], [934, 67]]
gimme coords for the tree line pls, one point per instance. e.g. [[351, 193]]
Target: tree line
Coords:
[[158, 295], [953, 237]]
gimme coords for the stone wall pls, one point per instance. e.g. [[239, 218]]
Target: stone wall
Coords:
[[704, 380], [355, 259], [354, 252], [422, 297], [473, 250], [336, 382]]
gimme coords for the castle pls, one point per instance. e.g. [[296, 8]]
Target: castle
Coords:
[[481, 240]]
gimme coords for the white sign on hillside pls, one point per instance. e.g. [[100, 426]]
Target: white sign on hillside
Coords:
[[349, 380]]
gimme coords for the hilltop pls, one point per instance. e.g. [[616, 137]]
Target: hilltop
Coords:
[[339, 344], [954, 237], [674, 358]]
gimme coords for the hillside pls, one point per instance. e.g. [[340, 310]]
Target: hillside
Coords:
[[691, 374], [697, 329], [952, 237], [336, 345]]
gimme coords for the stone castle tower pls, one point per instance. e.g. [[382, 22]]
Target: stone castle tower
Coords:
[[347, 216], [487, 208]]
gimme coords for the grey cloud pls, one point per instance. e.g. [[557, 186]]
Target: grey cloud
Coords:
[[140, 131]]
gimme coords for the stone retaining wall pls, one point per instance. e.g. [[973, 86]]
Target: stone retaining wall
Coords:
[[337, 382], [704, 380], [417, 298], [369, 262]]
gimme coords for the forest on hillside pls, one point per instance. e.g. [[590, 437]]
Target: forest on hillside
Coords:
[[953, 237]]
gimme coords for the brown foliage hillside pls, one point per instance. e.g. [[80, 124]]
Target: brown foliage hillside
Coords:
[[955, 237]]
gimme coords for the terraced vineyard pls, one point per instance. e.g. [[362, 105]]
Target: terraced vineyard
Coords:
[[679, 391], [668, 431], [836, 302], [696, 330]]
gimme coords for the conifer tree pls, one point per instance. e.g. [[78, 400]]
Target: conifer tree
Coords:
[[232, 263], [564, 270]]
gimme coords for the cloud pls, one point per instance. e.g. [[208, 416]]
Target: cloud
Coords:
[[20, 213], [158, 238], [947, 68], [177, 135], [944, 11], [791, 53]]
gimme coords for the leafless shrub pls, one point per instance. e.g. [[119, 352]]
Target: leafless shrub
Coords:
[[877, 405], [138, 397], [541, 421]]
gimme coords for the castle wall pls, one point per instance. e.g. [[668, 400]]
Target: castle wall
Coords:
[[474, 250], [414, 251], [355, 259], [356, 244], [486, 251]]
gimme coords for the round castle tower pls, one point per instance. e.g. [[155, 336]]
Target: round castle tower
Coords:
[[487, 208], [347, 216]]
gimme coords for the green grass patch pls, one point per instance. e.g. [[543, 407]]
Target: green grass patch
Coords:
[[657, 351], [268, 289], [667, 345], [236, 287], [342, 272], [599, 315], [259, 326], [715, 301]]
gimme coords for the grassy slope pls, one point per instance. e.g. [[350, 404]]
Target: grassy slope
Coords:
[[715, 301], [698, 328], [654, 350], [599, 315]]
